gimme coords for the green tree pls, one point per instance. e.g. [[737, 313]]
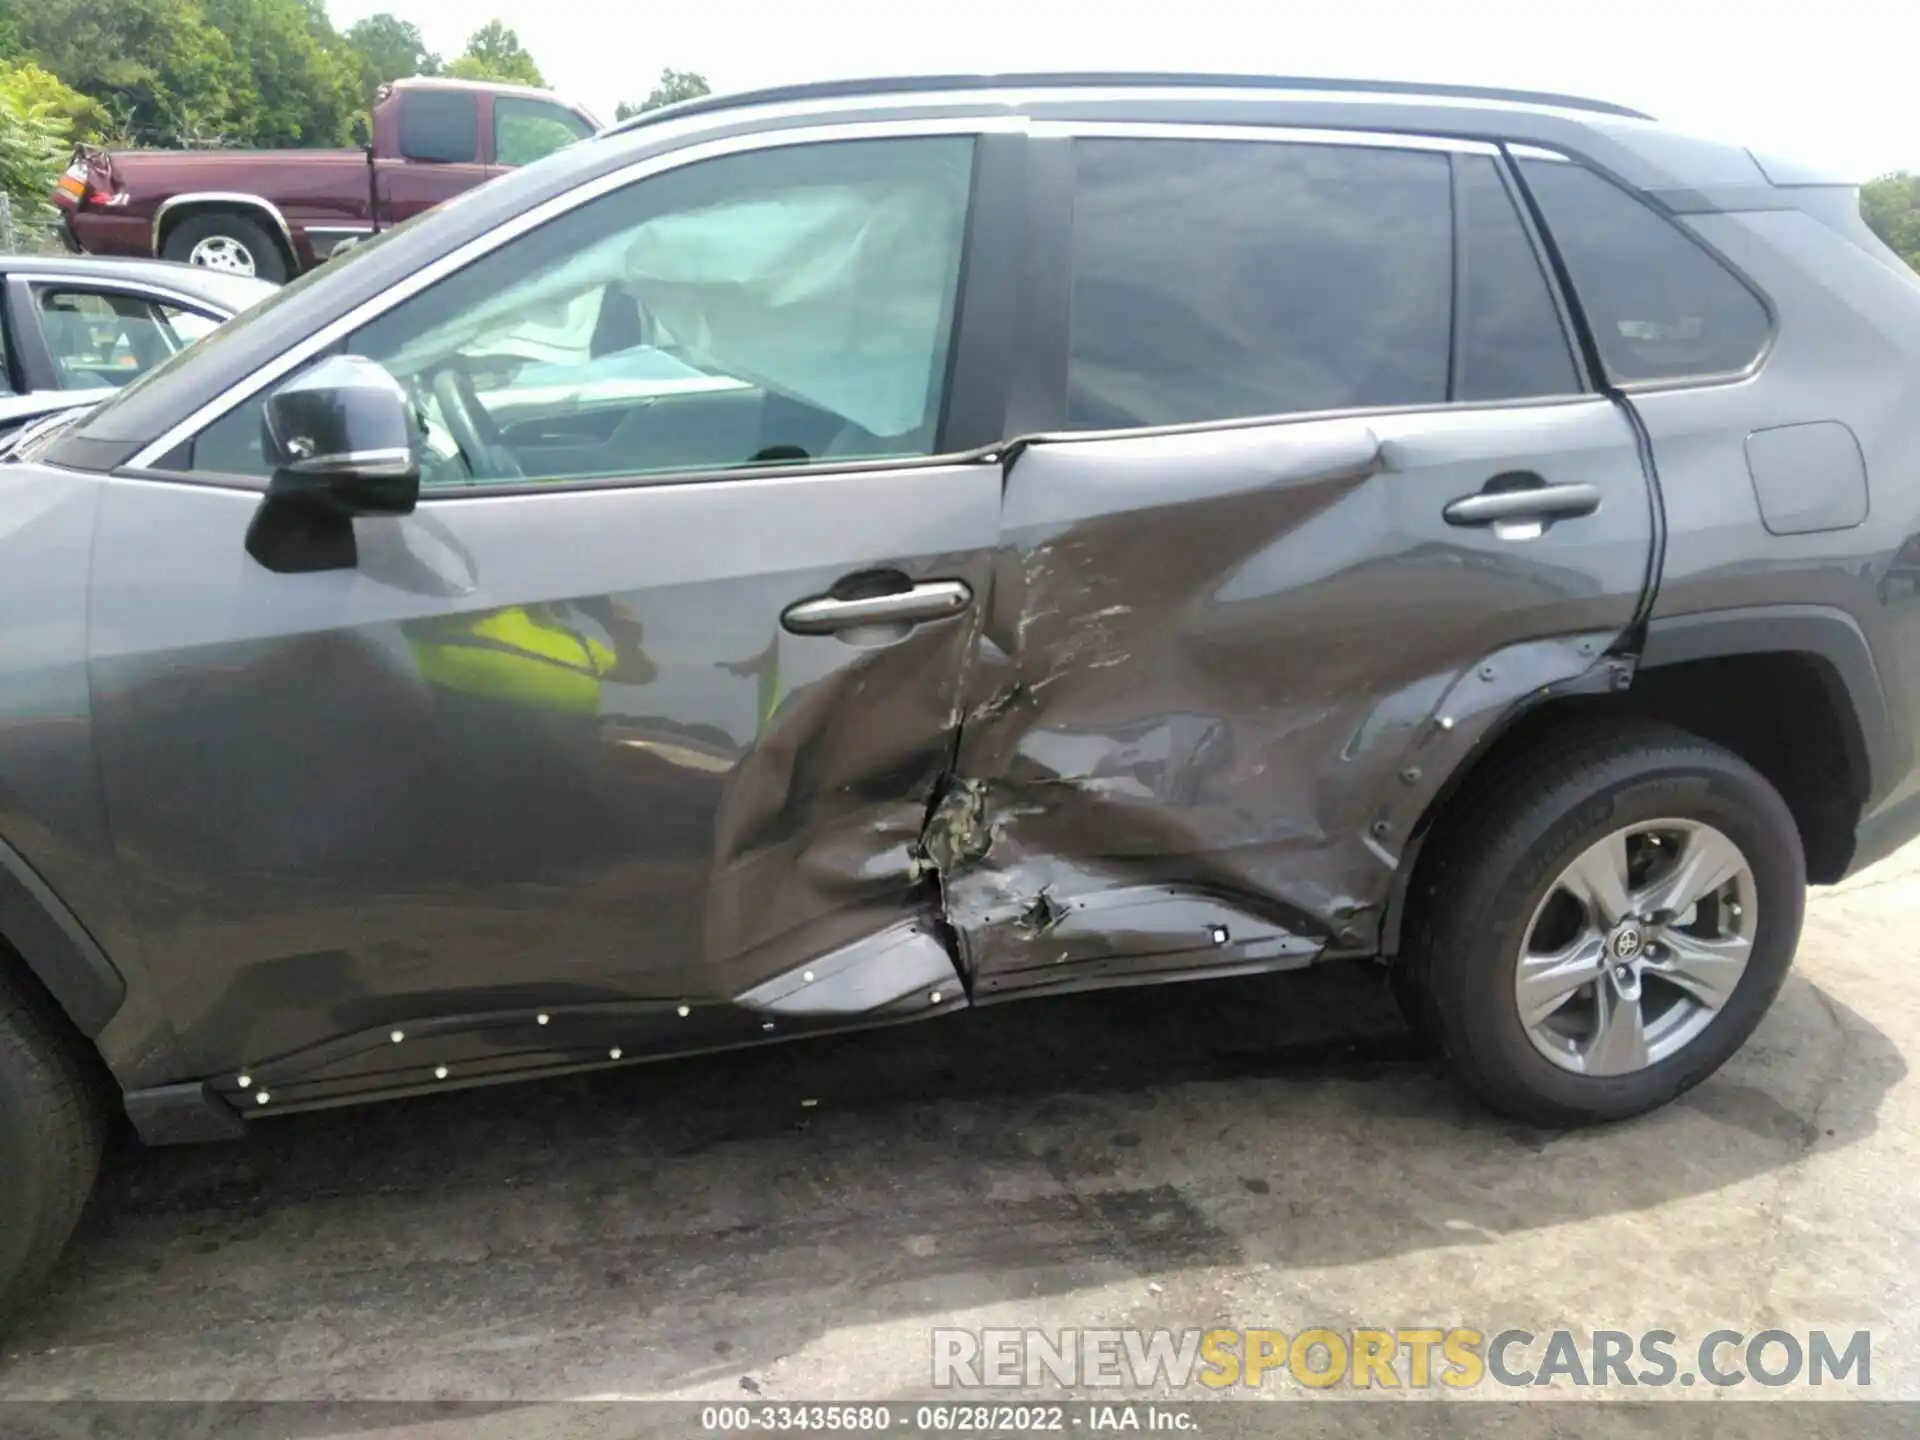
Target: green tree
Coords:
[[389, 48], [673, 85], [33, 147], [32, 89], [1891, 208], [299, 83], [173, 72], [161, 65], [494, 52]]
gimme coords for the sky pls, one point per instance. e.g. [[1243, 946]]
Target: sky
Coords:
[[1827, 82]]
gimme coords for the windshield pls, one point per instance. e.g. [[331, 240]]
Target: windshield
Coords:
[[30, 439]]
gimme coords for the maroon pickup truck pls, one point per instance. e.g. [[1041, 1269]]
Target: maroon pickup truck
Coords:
[[274, 213]]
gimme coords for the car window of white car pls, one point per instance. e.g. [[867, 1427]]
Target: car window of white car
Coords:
[[102, 338], [186, 327]]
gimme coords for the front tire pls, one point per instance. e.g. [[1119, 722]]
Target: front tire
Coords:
[[52, 1125], [1603, 923], [221, 240]]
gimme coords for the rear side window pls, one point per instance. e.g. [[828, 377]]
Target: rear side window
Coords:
[[1661, 306], [1215, 280], [525, 130], [1512, 344], [440, 125]]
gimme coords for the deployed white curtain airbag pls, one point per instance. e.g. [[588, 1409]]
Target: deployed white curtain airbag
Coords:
[[836, 294]]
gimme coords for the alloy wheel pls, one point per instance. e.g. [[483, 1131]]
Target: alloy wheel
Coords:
[[1636, 947], [222, 252]]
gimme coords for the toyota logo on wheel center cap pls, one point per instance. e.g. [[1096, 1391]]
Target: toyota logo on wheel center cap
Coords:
[[1627, 943]]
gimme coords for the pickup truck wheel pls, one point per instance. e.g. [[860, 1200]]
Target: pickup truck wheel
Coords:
[[221, 240], [1604, 923], [52, 1124]]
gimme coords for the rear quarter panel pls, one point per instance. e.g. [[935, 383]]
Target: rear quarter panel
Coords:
[[1847, 348]]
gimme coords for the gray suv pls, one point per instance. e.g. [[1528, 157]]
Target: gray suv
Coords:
[[835, 556]]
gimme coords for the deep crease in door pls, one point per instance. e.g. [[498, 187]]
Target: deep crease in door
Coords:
[[1210, 701]]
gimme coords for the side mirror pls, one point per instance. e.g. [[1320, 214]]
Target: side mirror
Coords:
[[341, 441], [362, 133]]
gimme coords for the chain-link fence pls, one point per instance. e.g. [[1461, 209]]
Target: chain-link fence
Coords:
[[35, 234]]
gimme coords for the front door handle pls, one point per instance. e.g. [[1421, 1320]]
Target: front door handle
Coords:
[[1533, 502], [824, 615]]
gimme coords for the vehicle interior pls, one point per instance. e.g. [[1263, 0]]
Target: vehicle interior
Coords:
[[637, 403], [101, 339], [714, 318]]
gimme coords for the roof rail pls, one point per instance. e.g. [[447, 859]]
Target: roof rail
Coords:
[[910, 84]]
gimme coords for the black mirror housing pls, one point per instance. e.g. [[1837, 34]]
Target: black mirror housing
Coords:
[[341, 440]]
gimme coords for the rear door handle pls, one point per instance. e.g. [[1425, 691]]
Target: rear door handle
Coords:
[[1534, 502], [935, 600]]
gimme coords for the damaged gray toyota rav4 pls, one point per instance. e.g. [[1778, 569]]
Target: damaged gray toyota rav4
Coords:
[[836, 556]]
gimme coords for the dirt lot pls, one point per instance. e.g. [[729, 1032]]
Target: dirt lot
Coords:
[[793, 1222]]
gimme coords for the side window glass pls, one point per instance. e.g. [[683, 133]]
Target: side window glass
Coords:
[[1512, 344], [1661, 306], [184, 327], [440, 125], [777, 306], [526, 130], [98, 338], [1222, 279]]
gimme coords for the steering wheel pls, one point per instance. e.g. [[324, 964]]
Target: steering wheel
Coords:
[[479, 439]]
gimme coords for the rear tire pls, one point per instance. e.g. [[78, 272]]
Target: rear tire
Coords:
[[1500, 863], [52, 1125], [225, 241]]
